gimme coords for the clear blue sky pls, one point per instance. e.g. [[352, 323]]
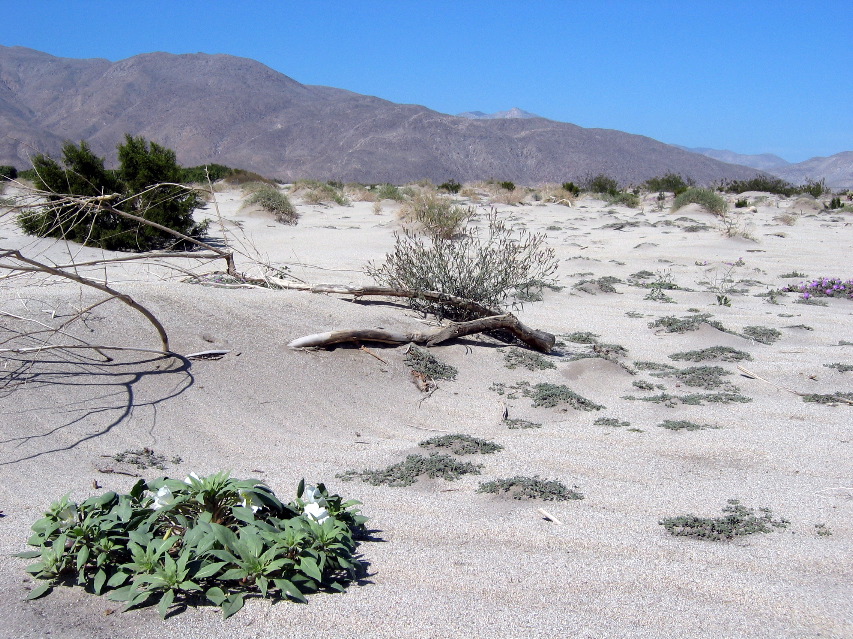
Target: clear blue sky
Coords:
[[749, 76]]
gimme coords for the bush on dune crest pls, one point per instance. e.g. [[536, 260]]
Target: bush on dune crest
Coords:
[[704, 197]]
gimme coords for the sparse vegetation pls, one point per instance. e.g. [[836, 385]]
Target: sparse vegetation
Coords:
[[721, 353], [703, 197], [683, 424], [672, 324], [436, 216], [270, 198], [530, 488], [762, 334], [486, 269], [737, 521], [515, 357], [669, 183], [551, 395], [460, 444], [144, 458], [612, 422], [421, 360], [407, 472]]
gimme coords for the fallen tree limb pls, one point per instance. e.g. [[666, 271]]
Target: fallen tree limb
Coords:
[[538, 340]]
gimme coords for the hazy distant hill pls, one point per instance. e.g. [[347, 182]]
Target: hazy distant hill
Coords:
[[836, 169], [236, 111]]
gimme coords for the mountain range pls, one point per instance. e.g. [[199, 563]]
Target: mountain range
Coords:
[[239, 112]]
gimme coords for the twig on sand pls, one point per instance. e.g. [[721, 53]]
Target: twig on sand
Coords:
[[752, 375], [548, 516], [370, 352]]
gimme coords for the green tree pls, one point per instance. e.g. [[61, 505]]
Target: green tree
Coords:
[[144, 167]]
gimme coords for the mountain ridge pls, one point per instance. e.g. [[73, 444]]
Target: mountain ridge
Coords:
[[237, 111]]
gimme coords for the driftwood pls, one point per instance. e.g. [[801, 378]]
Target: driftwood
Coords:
[[539, 340]]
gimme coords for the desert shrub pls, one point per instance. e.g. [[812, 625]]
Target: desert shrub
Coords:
[[763, 183], [823, 287], [833, 204], [271, 199], [389, 192], [238, 177], [552, 395], [200, 174], [737, 520], [742, 203], [507, 185], [8, 172], [142, 166], [572, 188], [669, 183], [451, 186], [421, 360], [515, 357], [437, 216], [487, 268], [181, 542], [624, 198], [761, 334], [601, 184], [704, 197], [722, 353], [314, 192], [530, 488], [814, 188]]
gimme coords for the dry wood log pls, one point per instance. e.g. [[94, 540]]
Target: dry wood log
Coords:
[[538, 340]]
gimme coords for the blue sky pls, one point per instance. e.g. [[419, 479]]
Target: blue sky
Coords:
[[752, 77]]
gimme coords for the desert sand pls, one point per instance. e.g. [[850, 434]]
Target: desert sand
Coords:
[[447, 561]]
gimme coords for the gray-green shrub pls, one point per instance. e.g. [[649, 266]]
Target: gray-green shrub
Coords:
[[704, 197]]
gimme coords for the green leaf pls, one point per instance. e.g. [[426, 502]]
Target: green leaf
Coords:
[[231, 605], [82, 557], [209, 570], [224, 536], [166, 601], [28, 554], [100, 578], [40, 591], [122, 594], [309, 566], [117, 579], [189, 585], [243, 514], [300, 488], [234, 573], [290, 590], [216, 595]]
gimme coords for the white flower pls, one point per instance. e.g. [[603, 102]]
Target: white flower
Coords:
[[163, 498], [312, 495], [248, 501], [188, 479], [316, 511]]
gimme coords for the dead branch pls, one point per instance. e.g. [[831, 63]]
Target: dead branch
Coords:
[[538, 340], [126, 299]]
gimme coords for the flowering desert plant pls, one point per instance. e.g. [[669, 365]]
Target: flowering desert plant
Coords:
[[212, 538], [823, 287]]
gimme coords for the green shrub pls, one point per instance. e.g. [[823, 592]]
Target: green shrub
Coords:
[[314, 192], [485, 269], [407, 472], [181, 542], [437, 216], [389, 192], [742, 203], [704, 197], [669, 183], [142, 165], [507, 186], [601, 184], [834, 203], [421, 360], [763, 183], [814, 188], [200, 174], [624, 198], [460, 444], [271, 199], [451, 186], [8, 172], [572, 188]]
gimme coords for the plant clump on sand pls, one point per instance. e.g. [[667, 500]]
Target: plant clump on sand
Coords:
[[515, 357], [460, 444], [721, 353], [407, 472], [737, 521], [521, 487], [421, 360], [762, 334], [703, 197], [823, 287], [683, 424], [672, 324], [551, 395], [270, 198], [487, 267], [183, 542]]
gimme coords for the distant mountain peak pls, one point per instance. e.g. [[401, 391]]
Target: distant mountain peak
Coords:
[[513, 114]]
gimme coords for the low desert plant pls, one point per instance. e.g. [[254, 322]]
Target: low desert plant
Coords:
[[460, 444], [763, 183], [451, 186], [315, 192], [515, 357], [436, 216], [683, 424], [672, 324], [421, 360], [741, 203], [407, 472], [530, 488], [704, 197], [721, 353], [611, 421], [486, 268], [389, 192], [571, 187], [551, 395], [181, 542], [270, 198], [823, 287], [8, 172], [144, 458], [761, 334], [601, 184], [737, 520]]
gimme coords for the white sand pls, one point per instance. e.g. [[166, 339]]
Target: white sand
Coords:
[[453, 562]]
